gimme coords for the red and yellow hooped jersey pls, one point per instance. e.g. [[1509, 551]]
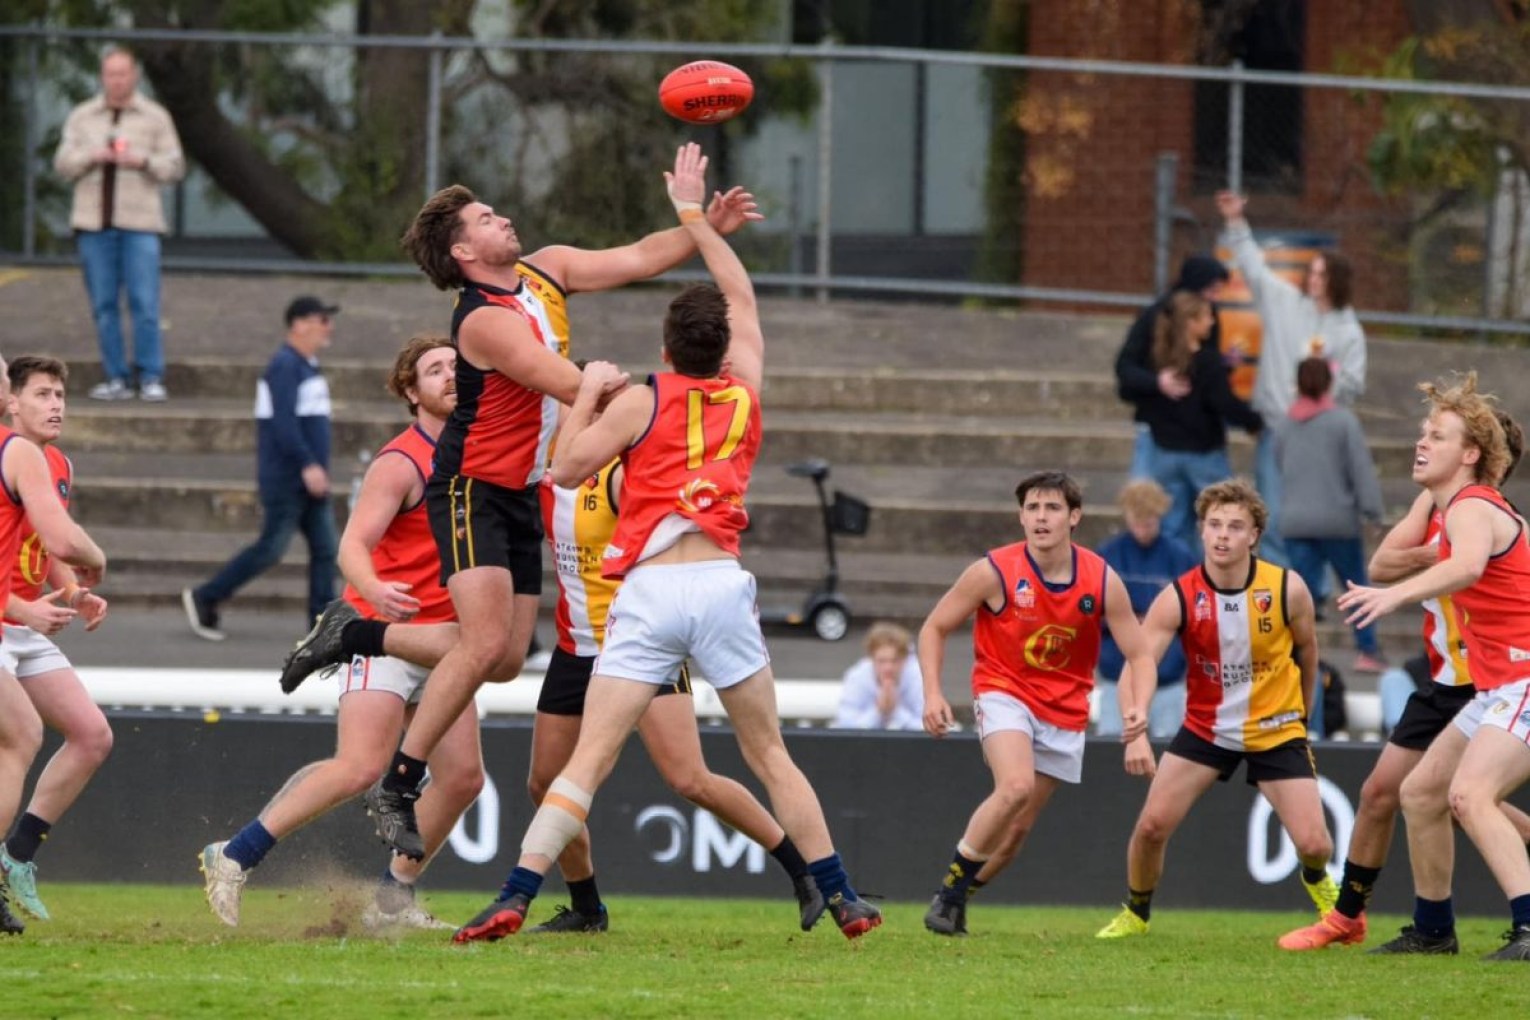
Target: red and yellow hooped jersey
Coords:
[[579, 523], [1243, 689], [1043, 644], [13, 518], [1443, 641], [30, 573], [407, 550], [694, 461], [501, 431], [1495, 609]]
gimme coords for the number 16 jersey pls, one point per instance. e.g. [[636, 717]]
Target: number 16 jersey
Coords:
[[693, 461]]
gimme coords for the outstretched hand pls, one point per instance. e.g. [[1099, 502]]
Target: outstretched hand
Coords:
[[687, 183], [1363, 605], [731, 209]]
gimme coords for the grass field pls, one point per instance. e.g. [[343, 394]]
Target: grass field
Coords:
[[145, 951]]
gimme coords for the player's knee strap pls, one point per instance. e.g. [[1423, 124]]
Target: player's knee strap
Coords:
[[558, 820]]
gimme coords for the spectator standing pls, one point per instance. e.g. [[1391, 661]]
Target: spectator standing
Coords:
[[118, 149], [292, 455], [1313, 320], [1329, 487], [883, 691], [1137, 379], [1189, 433], [1148, 562]]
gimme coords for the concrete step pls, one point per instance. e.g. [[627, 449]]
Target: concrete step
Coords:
[[913, 508], [1053, 394], [150, 567]]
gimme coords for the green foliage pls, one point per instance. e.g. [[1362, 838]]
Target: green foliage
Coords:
[[999, 259], [157, 951], [1429, 142]]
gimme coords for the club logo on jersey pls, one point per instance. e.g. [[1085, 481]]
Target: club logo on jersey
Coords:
[[698, 495], [1202, 607], [1025, 595], [1086, 605], [1263, 599], [592, 482], [1050, 648]]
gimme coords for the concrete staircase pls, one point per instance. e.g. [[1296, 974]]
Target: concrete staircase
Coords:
[[169, 488], [930, 413]]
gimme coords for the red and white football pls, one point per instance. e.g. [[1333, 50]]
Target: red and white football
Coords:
[[705, 92]]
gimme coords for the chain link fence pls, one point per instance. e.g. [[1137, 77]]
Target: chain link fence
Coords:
[[893, 171]]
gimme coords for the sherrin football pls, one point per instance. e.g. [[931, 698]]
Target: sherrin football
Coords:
[[705, 92]]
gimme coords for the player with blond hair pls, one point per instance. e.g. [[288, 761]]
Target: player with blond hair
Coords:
[[1250, 639], [1484, 565], [1410, 546]]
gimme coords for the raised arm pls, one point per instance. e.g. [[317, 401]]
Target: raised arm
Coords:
[[580, 269], [1268, 289], [687, 186]]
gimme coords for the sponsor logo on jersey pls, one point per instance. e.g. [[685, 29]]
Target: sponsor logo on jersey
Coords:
[[1025, 595], [1202, 607]]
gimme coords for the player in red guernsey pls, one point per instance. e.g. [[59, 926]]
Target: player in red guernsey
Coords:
[[32, 615], [1484, 566], [687, 441], [389, 559], [29, 498], [510, 329], [1250, 640], [1040, 606], [1410, 546]]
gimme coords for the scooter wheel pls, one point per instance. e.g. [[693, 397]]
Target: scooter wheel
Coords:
[[831, 622]]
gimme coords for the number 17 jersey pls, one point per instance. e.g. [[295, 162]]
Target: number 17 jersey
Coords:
[[693, 461]]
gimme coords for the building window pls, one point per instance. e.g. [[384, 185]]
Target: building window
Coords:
[[1267, 35]]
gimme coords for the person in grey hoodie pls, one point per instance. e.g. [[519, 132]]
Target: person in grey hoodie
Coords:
[[1329, 486], [1313, 320]]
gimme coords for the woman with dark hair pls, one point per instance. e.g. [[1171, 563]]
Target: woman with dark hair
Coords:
[[1189, 432]]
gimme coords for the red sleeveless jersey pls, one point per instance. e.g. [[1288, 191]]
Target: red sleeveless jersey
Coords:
[[500, 431], [407, 550], [1044, 642], [1243, 689], [1495, 610], [32, 560], [694, 460], [13, 518]]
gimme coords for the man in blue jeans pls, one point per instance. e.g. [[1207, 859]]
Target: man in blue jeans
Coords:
[[292, 416], [118, 149]]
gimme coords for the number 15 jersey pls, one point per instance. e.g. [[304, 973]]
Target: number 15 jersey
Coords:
[[693, 462], [1243, 691]]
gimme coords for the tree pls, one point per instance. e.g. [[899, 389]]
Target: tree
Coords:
[[325, 148]]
